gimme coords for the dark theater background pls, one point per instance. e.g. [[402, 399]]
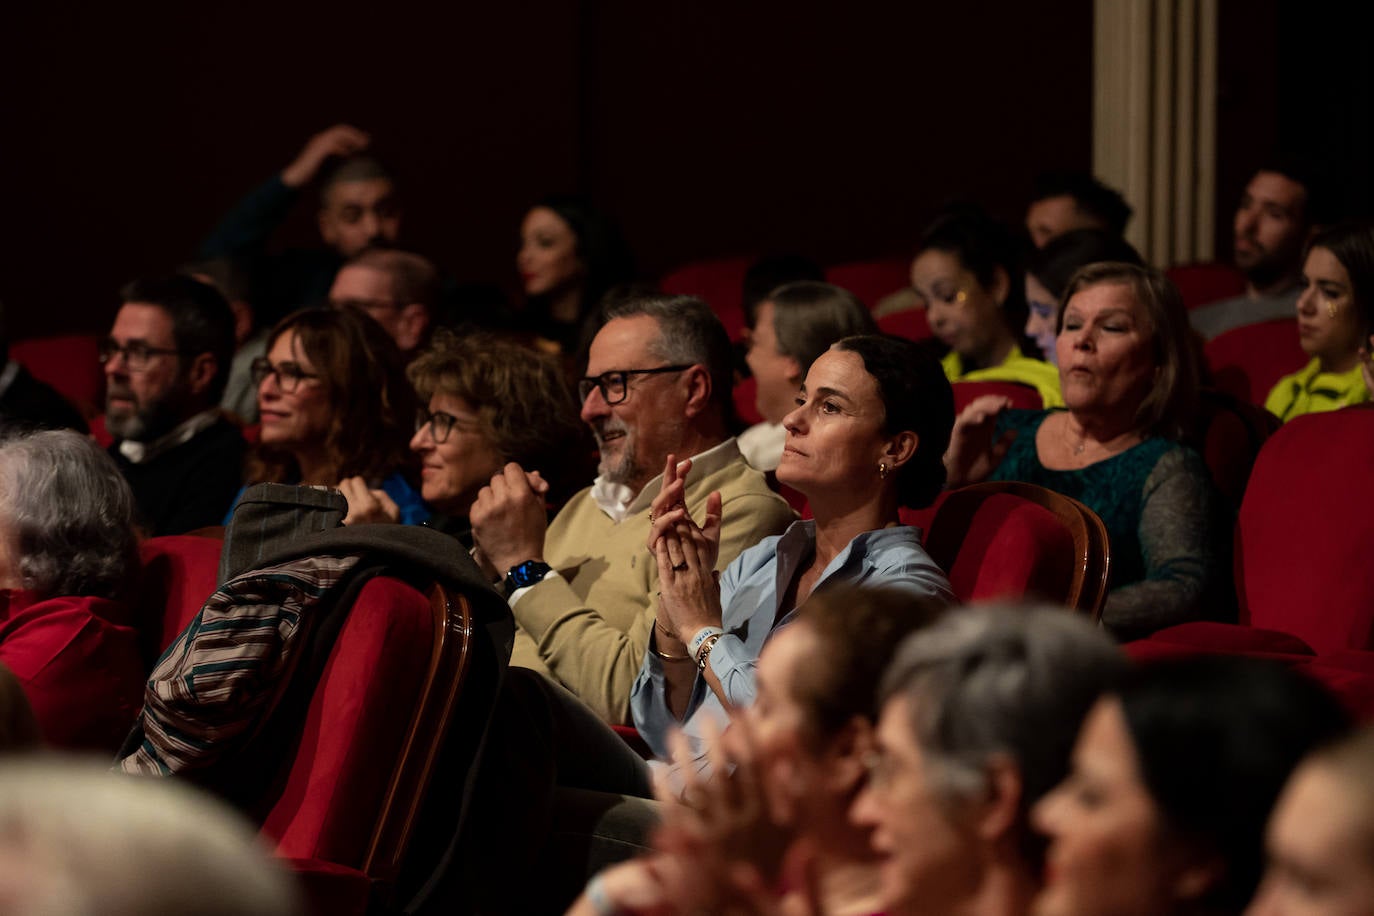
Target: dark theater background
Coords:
[[707, 128]]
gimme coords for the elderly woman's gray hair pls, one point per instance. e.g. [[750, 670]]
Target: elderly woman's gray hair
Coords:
[[1014, 682], [68, 514], [78, 840]]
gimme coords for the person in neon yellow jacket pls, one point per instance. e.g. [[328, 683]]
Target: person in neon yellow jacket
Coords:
[[967, 272], [1335, 319]]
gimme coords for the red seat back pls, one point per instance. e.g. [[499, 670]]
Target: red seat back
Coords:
[[69, 363], [1012, 540], [720, 282], [1306, 523], [179, 573], [1247, 362], [1206, 282], [909, 324], [872, 280], [355, 788], [1023, 397], [1229, 437]]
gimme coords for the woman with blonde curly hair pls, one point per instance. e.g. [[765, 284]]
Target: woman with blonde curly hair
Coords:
[[487, 402]]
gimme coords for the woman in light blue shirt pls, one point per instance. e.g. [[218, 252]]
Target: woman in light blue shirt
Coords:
[[867, 436]]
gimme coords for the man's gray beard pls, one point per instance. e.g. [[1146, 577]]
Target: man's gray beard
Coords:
[[144, 425], [623, 471]]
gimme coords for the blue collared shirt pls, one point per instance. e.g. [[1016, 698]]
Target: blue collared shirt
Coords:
[[751, 594]]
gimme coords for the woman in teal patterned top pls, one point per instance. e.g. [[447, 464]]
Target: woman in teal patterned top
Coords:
[[1129, 377]]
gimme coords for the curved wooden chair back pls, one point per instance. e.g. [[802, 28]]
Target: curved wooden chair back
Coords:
[[1008, 539]]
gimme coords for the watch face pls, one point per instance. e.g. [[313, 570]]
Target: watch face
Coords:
[[529, 572]]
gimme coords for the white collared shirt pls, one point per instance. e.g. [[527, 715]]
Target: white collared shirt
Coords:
[[185, 431]]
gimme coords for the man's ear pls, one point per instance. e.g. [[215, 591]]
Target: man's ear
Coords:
[[1001, 809], [201, 373], [411, 326], [795, 374], [698, 382]]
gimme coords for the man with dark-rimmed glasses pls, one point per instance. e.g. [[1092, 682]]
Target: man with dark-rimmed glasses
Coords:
[[658, 383], [166, 361]]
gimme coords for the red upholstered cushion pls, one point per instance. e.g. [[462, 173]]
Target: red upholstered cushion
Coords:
[[720, 282], [1013, 548], [1150, 649], [911, 324], [1247, 362], [1206, 282], [179, 573], [69, 363], [1023, 397], [1230, 638], [1349, 659], [1302, 540], [872, 280], [354, 729]]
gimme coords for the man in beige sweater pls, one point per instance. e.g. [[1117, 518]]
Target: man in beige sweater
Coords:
[[583, 587]]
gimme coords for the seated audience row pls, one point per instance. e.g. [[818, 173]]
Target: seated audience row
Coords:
[[1018, 766]]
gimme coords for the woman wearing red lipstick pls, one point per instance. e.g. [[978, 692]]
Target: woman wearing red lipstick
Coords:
[[337, 411], [1173, 777], [1129, 376], [1335, 320], [570, 255]]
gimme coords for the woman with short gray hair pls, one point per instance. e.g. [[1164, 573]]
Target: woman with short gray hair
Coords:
[[979, 715], [68, 559]]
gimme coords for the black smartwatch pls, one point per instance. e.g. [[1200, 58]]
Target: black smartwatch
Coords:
[[523, 575]]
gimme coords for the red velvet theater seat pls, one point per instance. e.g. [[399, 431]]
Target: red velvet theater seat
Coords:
[[1305, 529], [1229, 437], [352, 794], [1302, 569], [872, 280], [1247, 362], [1023, 397], [179, 573], [70, 364], [1013, 540], [720, 282], [909, 324], [1206, 282]]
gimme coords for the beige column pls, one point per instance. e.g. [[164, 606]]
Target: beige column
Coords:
[[1154, 120]]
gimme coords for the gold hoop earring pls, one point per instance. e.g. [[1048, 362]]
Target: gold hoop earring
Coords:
[[882, 470]]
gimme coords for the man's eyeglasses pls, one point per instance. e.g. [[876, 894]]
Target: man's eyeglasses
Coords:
[[441, 424], [288, 375], [615, 386], [136, 353]]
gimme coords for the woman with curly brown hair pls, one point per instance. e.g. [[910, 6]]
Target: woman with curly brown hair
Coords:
[[336, 411], [490, 401]]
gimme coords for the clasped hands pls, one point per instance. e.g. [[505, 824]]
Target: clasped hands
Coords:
[[686, 553]]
